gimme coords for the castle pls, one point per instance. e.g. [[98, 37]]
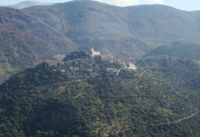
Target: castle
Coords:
[[94, 53]]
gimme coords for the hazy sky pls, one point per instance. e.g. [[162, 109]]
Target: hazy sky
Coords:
[[188, 5]]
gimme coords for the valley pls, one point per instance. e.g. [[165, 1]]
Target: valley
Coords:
[[38, 33], [87, 69]]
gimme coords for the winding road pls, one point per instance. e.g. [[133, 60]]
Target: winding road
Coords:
[[179, 120]]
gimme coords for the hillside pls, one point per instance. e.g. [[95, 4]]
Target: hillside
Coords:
[[152, 101], [178, 49], [26, 4], [92, 24], [160, 24], [25, 41], [110, 93], [123, 32], [86, 22]]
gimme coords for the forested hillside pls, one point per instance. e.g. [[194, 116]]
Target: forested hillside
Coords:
[[92, 24], [149, 101], [37, 33], [25, 41], [117, 94], [86, 22], [177, 49]]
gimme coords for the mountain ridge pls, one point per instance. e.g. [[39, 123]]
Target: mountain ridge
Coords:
[[145, 22], [26, 40], [26, 4], [123, 32], [93, 96]]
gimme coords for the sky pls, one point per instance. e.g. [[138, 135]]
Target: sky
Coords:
[[188, 5]]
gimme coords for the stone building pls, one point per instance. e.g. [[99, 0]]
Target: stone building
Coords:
[[131, 67], [95, 53]]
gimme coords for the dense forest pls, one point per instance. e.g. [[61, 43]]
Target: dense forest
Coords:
[[24, 44], [159, 97], [177, 49], [149, 101], [32, 35], [76, 55]]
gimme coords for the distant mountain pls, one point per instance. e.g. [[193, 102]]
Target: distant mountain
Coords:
[[123, 32], [161, 101], [159, 98], [92, 24], [25, 41], [178, 49], [26, 4], [86, 22]]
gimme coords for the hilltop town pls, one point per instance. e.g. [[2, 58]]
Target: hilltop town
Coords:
[[93, 63]]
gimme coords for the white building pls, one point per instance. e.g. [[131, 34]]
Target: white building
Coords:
[[95, 53], [111, 70], [131, 67]]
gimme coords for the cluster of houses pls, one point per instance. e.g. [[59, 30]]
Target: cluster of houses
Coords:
[[95, 64]]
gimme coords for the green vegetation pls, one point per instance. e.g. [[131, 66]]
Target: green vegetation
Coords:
[[75, 13], [78, 20], [178, 49], [154, 25], [76, 55], [23, 45], [161, 101]]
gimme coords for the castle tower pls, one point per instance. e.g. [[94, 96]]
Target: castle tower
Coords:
[[95, 53]]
